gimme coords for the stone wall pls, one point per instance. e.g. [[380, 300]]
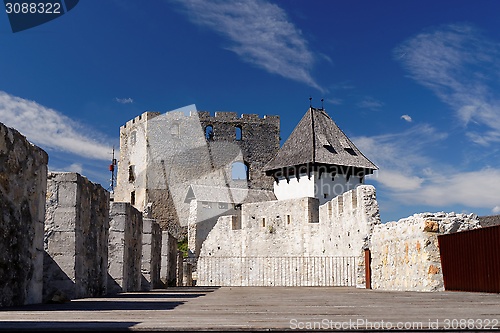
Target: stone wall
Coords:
[[125, 248], [23, 177], [489, 221], [168, 271], [291, 242], [405, 254], [151, 255], [76, 237]]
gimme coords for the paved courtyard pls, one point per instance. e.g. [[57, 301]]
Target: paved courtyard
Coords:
[[262, 308]]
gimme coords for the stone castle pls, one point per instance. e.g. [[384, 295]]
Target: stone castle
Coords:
[[301, 201], [254, 213], [161, 155]]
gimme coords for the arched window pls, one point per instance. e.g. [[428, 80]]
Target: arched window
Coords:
[[209, 133], [239, 171], [238, 133]]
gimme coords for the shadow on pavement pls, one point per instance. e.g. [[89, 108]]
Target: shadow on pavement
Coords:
[[57, 326], [92, 305]]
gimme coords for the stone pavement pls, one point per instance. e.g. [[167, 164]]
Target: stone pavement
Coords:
[[261, 308]]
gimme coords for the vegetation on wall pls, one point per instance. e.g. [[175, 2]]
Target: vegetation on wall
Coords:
[[182, 245]]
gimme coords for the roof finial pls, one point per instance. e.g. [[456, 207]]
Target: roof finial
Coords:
[[322, 107], [310, 102]]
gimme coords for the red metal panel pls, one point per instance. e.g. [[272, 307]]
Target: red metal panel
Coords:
[[368, 272], [470, 260]]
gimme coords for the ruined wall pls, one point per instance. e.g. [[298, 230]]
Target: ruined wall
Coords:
[[76, 237], [405, 254], [291, 242], [168, 268], [23, 177], [125, 248], [202, 218], [161, 155], [151, 255]]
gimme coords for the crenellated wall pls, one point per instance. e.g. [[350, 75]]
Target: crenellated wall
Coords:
[[405, 254], [23, 177], [125, 248], [297, 238], [76, 237]]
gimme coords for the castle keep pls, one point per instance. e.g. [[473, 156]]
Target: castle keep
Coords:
[[162, 155]]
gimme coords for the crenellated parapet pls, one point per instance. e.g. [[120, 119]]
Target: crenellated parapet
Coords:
[[140, 119]]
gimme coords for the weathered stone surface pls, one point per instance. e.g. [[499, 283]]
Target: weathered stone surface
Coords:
[[168, 271], [76, 237], [125, 248], [151, 255], [23, 177], [431, 226], [405, 254], [291, 242]]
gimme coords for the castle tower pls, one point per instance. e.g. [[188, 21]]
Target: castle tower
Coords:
[[318, 160], [162, 155]]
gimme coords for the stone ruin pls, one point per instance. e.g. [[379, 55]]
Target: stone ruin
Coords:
[[61, 240], [23, 183]]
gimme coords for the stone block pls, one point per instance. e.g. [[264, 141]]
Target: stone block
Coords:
[[151, 255], [125, 248], [431, 226], [76, 234], [168, 259], [23, 185]]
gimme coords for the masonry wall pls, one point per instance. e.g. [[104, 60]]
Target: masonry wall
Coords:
[[202, 218], [161, 155], [291, 242], [23, 176], [76, 237], [405, 254], [151, 255], [125, 248]]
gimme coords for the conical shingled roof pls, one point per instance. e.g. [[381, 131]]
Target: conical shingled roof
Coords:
[[317, 140]]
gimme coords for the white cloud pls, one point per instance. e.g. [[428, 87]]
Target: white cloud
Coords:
[[397, 181], [261, 34], [407, 118], [124, 100], [496, 210], [408, 175], [75, 167], [402, 152], [50, 129], [334, 101], [471, 189], [461, 67], [370, 103]]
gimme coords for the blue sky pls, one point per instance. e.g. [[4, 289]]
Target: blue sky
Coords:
[[415, 84]]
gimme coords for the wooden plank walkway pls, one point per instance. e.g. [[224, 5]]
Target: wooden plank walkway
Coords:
[[261, 308]]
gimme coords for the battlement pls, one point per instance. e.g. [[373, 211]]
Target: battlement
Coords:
[[141, 118], [205, 116]]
